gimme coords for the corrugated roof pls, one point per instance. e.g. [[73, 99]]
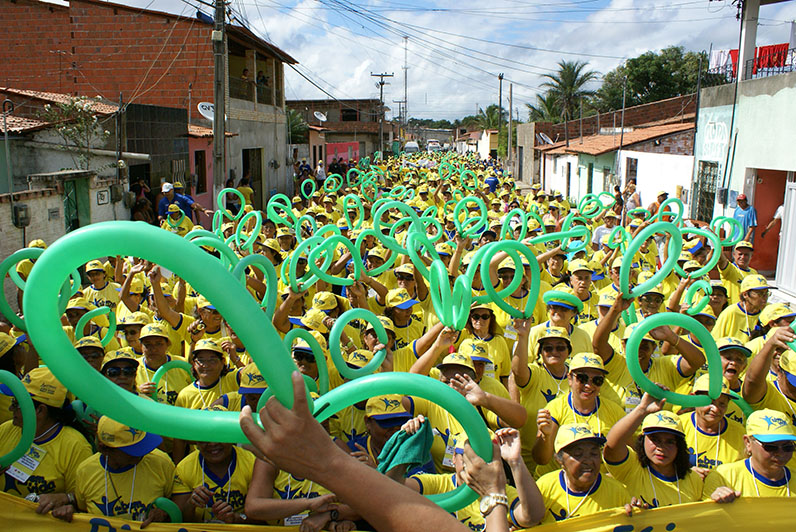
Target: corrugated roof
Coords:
[[18, 124], [599, 144], [57, 97]]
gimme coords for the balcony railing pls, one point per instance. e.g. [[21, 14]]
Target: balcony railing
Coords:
[[241, 89], [762, 66]]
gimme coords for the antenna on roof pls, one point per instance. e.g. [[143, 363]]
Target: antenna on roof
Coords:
[[320, 116]]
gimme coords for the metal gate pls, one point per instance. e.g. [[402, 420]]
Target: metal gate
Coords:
[[786, 273], [71, 219], [705, 191]]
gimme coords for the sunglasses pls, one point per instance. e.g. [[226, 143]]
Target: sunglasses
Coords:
[[597, 380], [482, 317], [301, 357], [207, 361], [775, 447], [127, 371], [404, 276], [559, 348]]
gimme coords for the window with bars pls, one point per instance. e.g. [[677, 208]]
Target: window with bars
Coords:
[[705, 190]]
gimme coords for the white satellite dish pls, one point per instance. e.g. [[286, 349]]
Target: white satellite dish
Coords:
[[545, 138], [320, 116], [206, 109]]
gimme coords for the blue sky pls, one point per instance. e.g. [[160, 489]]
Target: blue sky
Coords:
[[452, 65]]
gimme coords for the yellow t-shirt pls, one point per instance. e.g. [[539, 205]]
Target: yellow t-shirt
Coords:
[[739, 476], [580, 339], [171, 383], [58, 456], [404, 335], [731, 277], [470, 515], [497, 349], [662, 370], [107, 296], [589, 311], [652, 487], [179, 229], [448, 432], [776, 400], [232, 488], [349, 424], [247, 192], [288, 487], [198, 397], [712, 450], [736, 322], [178, 334], [402, 359], [562, 503], [128, 492]]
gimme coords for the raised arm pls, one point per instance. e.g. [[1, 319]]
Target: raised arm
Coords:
[[599, 341], [164, 309], [519, 359], [754, 383], [425, 362], [621, 433], [124, 292], [531, 508], [693, 357], [508, 411]]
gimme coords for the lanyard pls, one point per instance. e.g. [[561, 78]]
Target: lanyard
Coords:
[[309, 490], [754, 479], [793, 413], [582, 500], [228, 482], [557, 380], [132, 489], [586, 418], [655, 493]]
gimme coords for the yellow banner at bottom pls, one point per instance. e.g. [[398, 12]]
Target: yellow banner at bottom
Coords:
[[773, 514]]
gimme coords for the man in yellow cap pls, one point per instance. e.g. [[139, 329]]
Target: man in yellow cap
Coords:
[[176, 222], [155, 341], [742, 320], [779, 395], [733, 273]]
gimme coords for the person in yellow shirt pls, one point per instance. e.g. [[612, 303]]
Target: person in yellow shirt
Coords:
[[580, 281], [742, 319], [712, 438], [769, 442], [212, 377], [408, 326], [124, 478], [579, 489], [247, 191], [780, 394], [92, 351], [733, 273], [48, 471], [211, 483], [176, 221], [155, 342], [562, 313], [657, 469], [101, 292], [131, 326], [583, 404]]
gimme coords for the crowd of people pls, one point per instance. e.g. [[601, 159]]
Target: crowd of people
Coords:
[[573, 431]]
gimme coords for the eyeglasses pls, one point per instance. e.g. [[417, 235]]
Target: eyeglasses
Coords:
[[482, 317], [207, 361], [772, 448], [597, 380], [557, 348], [127, 371]]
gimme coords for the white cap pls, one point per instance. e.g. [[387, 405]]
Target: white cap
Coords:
[[167, 187]]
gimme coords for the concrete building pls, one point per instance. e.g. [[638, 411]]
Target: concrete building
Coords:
[[351, 127], [744, 144], [154, 58]]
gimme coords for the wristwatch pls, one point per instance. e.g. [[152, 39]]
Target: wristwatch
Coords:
[[489, 502], [334, 515]]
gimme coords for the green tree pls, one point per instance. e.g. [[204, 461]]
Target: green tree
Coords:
[[491, 118], [546, 109], [651, 77], [297, 130], [567, 86], [76, 123]]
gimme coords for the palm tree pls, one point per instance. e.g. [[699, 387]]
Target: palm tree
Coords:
[[545, 110], [296, 127], [567, 85], [489, 119]]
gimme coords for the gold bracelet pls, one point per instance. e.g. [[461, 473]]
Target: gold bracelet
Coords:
[[677, 342]]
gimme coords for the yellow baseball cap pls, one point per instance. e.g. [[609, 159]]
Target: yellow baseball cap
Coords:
[[663, 421], [570, 433], [774, 312], [154, 329], [548, 220], [728, 343], [586, 361], [770, 426], [252, 380], [475, 349], [203, 302], [174, 208], [617, 263], [400, 298], [378, 252], [754, 282], [387, 409], [359, 358], [787, 363], [131, 441], [580, 265], [702, 384], [8, 342], [284, 231], [707, 311], [444, 248], [272, 244], [745, 244], [94, 265], [325, 300], [457, 359], [37, 243], [385, 322], [632, 327], [206, 344], [43, 387], [407, 267], [556, 298], [312, 319], [556, 332], [89, 341], [119, 354]]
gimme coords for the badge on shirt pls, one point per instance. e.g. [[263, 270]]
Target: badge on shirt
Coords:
[[23, 468]]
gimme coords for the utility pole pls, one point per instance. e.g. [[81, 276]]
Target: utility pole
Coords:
[[508, 151], [381, 106], [406, 84], [219, 82], [500, 105]]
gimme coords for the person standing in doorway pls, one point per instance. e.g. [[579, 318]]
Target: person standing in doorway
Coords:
[[778, 214], [746, 215]]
